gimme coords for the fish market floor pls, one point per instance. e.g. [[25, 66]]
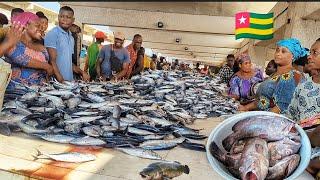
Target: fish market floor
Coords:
[[16, 160]]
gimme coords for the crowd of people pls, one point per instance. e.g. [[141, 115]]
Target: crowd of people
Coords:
[[292, 85], [37, 55]]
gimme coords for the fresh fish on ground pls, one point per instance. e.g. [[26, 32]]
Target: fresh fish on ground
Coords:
[[95, 98], [73, 102], [139, 131], [73, 157], [58, 138], [85, 119], [31, 130], [122, 114], [85, 113], [164, 170], [161, 144], [94, 130], [87, 141], [5, 129], [139, 152]]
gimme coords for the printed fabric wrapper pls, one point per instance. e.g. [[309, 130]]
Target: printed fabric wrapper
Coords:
[[309, 122]]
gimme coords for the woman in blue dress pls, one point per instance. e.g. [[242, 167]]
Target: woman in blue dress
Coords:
[[275, 93]]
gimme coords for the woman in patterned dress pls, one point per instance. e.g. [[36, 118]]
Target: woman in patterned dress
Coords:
[[305, 104], [306, 98], [242, 81], [28, 58], [275, 93]]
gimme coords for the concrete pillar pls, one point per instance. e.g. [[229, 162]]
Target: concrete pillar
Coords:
[[258, 55], [307, 31]]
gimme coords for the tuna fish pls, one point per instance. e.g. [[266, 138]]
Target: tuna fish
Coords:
[[139, 152], [73, 157]]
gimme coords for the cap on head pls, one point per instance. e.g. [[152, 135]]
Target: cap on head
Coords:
[[119, 35], [99, 35]]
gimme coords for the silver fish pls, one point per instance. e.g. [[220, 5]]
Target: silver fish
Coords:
[[84, 113], [83, 119], [61, 93], [95, 98], [29, 96], [58, 138], [94, 131], [73, 157], [87, 141], [93, 105], [161, 121], [30, 130], [139, 131], [161, 144], [74, 128], [41, 109], [73, 102], [57, 102], [142, 153]]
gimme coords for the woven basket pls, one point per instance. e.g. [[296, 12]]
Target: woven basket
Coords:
[[5, 76]]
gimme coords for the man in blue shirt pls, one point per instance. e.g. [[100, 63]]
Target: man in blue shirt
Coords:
[[115, 53], [60, 43]]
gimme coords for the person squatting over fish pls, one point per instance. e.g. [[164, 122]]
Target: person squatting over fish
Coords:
[[260, 147]]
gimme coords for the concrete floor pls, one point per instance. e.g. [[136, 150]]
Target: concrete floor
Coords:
[[17, 162], [110, 164]]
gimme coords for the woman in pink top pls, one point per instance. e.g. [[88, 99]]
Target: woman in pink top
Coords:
[[28, 58]]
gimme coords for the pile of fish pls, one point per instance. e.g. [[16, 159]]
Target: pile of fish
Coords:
[[148, 112], [260, 147]]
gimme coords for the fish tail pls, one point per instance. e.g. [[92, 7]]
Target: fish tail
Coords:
[[132, 146], [39, 153], [216, 152], [186, 169], [36, 157]]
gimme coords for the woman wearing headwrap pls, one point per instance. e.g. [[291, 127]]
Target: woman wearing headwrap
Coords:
[[242, 81], [275, 93], [28, 58]]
